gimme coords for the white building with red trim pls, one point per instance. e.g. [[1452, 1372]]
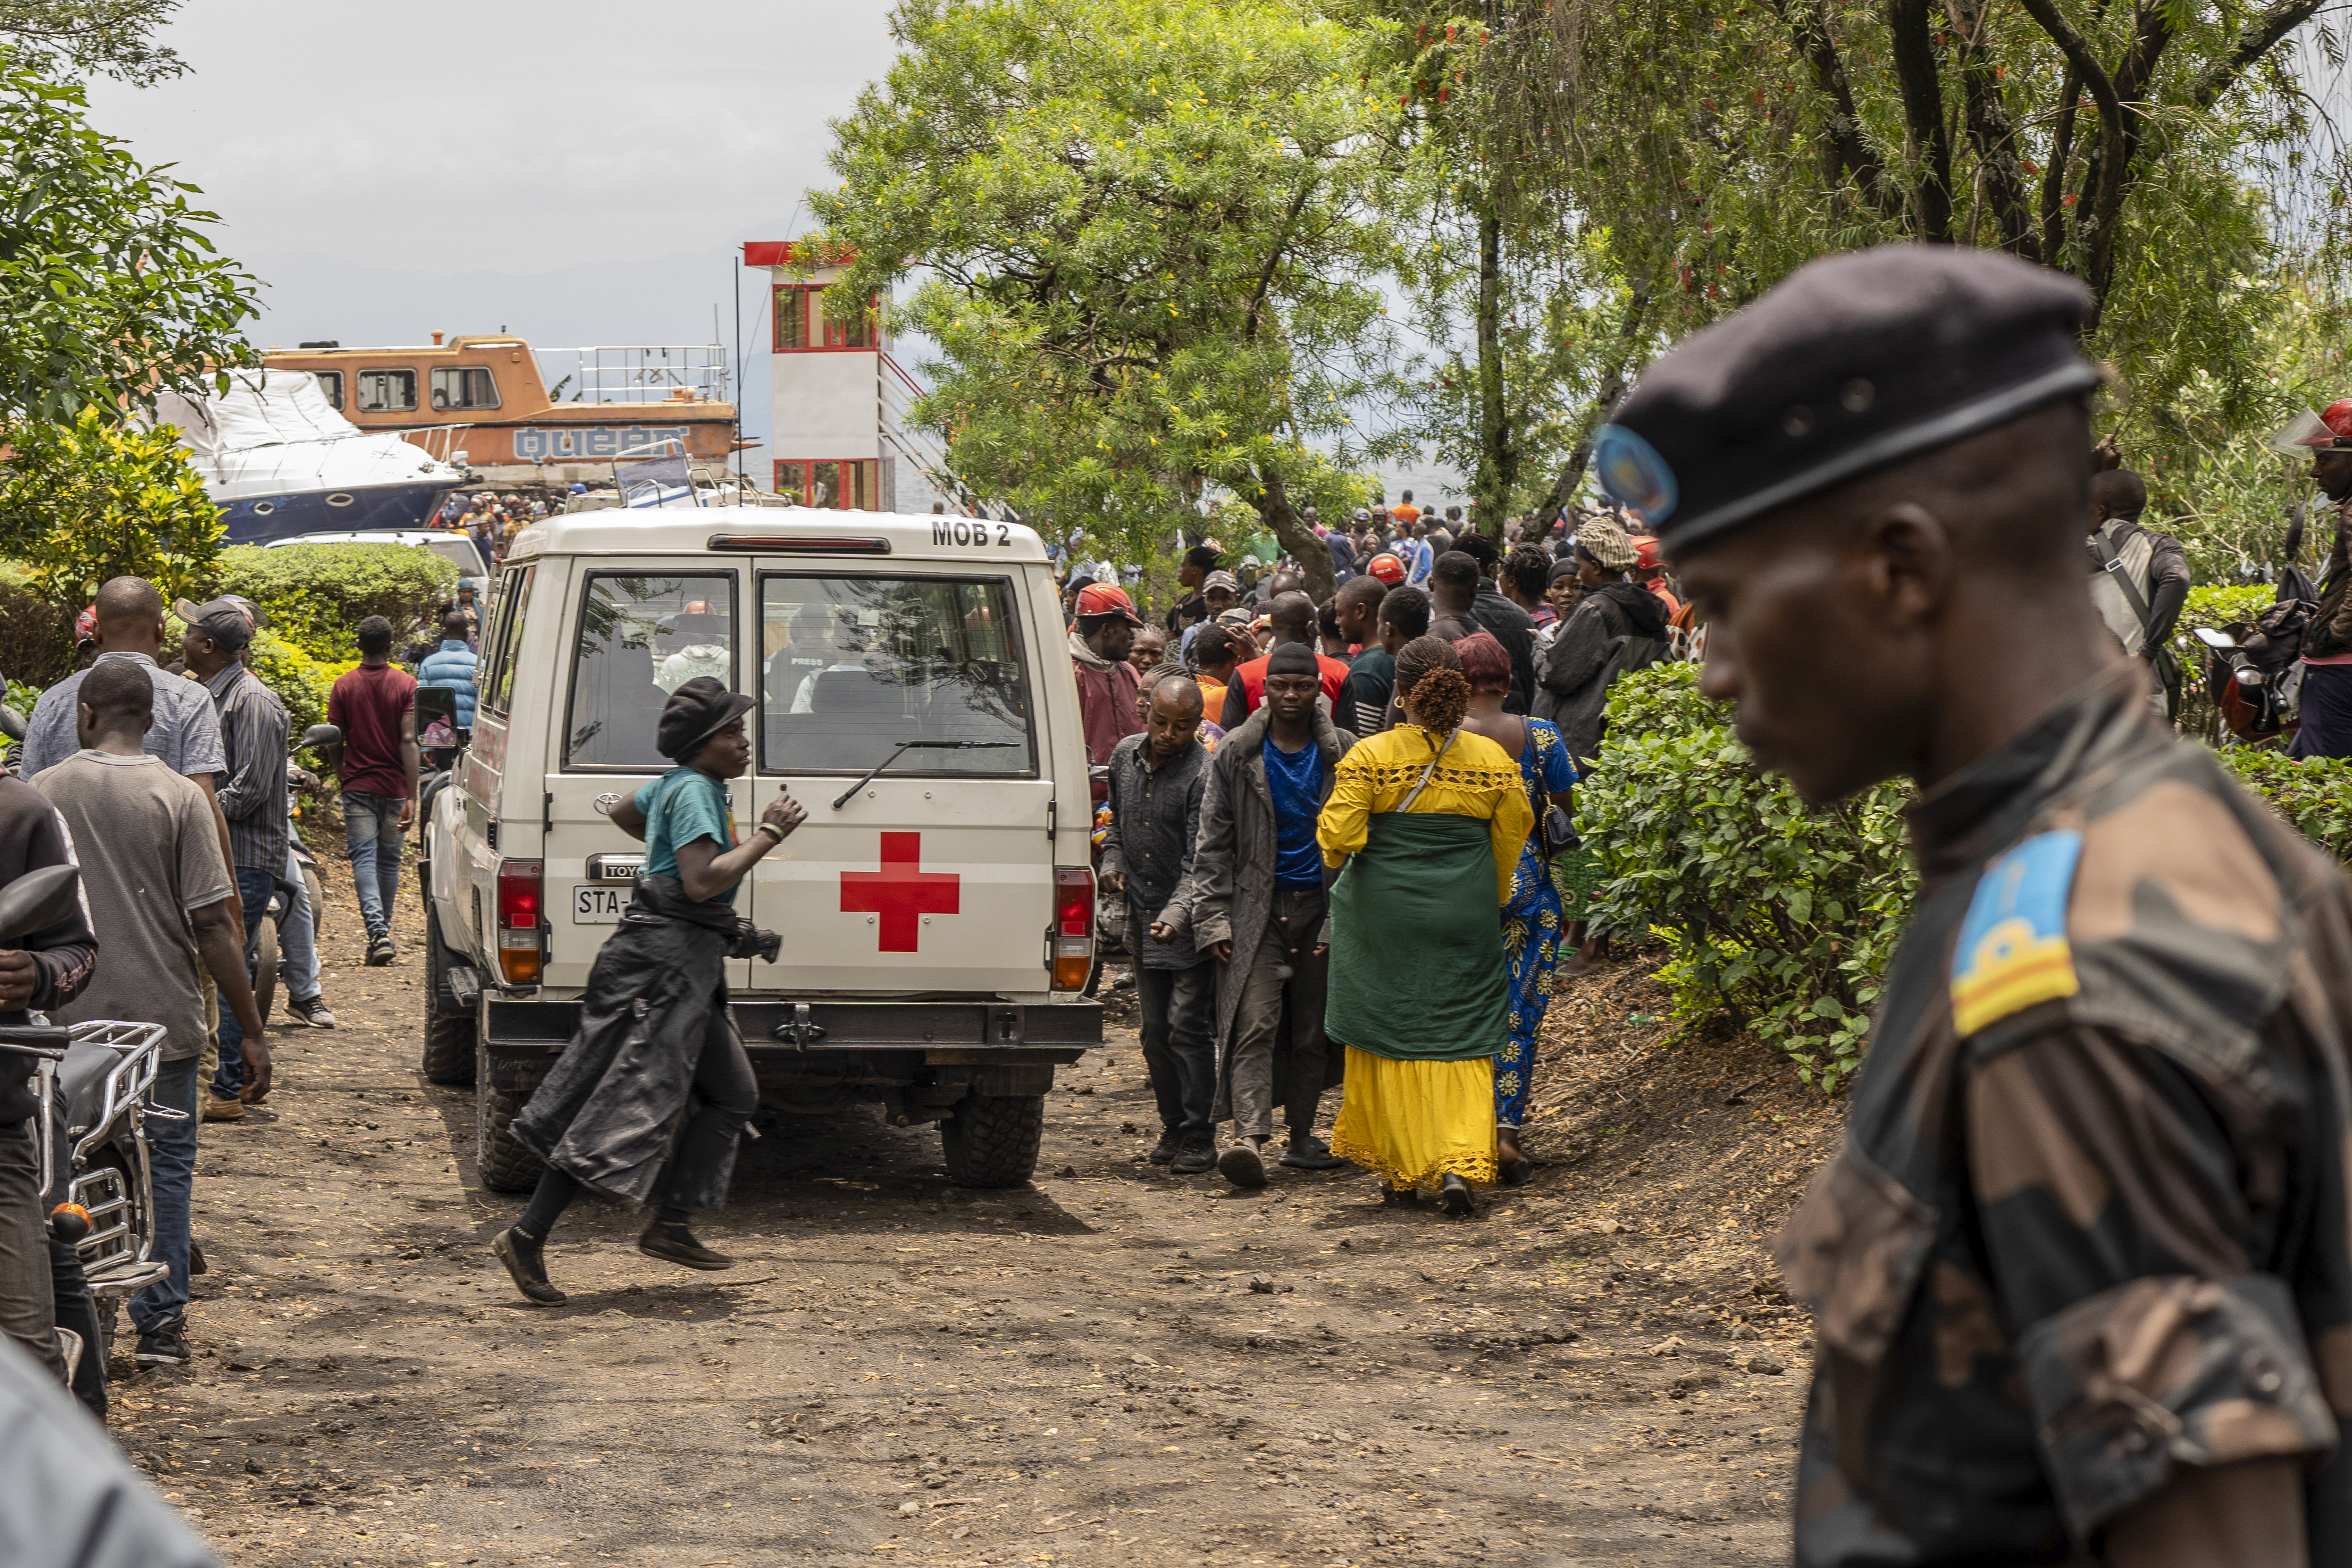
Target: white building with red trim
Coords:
[[837, 439]]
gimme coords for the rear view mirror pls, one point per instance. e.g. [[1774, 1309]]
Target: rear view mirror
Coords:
[[38, 900], [319, 735], [2212, 639], [12, 723], [434, 702]]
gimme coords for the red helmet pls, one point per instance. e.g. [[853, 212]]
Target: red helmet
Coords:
[[85, 626], [1386, 567], [1647, 556], [2337, 417]]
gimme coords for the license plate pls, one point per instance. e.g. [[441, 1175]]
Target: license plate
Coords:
[[598, 906]]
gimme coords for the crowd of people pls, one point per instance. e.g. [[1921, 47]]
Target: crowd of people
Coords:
[[1274, 773], [162, 769]]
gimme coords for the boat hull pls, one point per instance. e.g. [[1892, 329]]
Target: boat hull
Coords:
[[257, 519]]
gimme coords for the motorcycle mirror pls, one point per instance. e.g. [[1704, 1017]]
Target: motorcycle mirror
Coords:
[[12, 723], [38, 900], [2212, 639], [320, 735]]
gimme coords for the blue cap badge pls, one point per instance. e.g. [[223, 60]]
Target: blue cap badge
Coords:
[[1633, 474]]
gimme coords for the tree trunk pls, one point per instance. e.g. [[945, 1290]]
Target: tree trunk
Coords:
[[1604, 398], [1913, 51], [1499, 456], [1291, 531]]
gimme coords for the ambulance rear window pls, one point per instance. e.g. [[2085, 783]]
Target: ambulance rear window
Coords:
[[853, 665]]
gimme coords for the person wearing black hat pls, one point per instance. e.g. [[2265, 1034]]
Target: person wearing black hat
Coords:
[[654, 1036], [1255, 903], [2080, 1274]]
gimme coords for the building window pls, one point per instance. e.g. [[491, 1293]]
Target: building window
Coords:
[[387, 391], [793, 306], [846, 486], [801, 322], [466, 386], [330, 386]]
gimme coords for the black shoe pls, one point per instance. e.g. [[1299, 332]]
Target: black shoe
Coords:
[[311, 1015], [527, 1268], [165, 1344], [1517, 1173], [381, 950], [676, 1244], [1456, 1196], [1166, 1150], [1397, 1197], [1241, 1164], [1308, 1152], [1193, 1159]]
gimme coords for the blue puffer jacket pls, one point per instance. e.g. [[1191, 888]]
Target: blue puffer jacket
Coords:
[[451, 667]]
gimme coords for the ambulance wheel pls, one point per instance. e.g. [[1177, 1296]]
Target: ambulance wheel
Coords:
[[506, 1166], [992, 1141], [448, 1027]]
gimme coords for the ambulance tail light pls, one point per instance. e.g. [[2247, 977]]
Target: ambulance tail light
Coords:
[[1074, 927], [521, 907]]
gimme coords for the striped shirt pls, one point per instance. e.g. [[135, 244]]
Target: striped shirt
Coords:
[[186, 736], [252, 789]]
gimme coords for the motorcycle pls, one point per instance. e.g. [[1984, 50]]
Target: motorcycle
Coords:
[[90, 1084], [300, 782]]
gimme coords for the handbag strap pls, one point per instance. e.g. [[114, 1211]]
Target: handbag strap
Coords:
[[1406, 805]]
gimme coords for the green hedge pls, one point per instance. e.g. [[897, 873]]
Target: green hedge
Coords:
[[1778, 913], [1782, 915], [315, 595]]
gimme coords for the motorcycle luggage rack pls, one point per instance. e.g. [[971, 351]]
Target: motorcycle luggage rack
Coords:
[[130, 1077]]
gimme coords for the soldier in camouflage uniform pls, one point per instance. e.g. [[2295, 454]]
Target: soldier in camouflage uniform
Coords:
[[2081, 1275]]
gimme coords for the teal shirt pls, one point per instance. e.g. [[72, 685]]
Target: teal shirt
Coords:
[[680, 806]]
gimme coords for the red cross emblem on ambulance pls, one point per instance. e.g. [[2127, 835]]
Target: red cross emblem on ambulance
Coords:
[[901, 892]]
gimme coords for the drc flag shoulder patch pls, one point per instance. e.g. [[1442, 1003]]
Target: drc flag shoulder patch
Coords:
[[2012, 950]]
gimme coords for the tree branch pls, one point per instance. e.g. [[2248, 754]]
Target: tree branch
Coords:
[[2109, 163], [1913, 56], [2260, 36], [1990, 133], [1845, 155], [1612, 387]]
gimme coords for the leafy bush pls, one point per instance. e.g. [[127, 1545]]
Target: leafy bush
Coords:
[[84, 501], [2314, 794], [35, 635], [315, 596], [301, 682], [1779, 913]]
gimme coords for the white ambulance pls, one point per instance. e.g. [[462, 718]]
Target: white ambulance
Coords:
[[915, 695]]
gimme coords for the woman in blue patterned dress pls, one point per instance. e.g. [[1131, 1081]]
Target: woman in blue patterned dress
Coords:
[[1532, 920]]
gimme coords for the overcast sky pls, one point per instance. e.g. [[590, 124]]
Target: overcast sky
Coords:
[[580, 173]]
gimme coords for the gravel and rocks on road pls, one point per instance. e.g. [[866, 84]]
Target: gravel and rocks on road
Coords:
[[1113, 1366]]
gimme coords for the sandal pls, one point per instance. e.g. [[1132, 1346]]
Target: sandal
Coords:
[[1457, 1197]]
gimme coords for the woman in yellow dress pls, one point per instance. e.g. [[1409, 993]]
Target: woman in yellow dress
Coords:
[[1429, 820]]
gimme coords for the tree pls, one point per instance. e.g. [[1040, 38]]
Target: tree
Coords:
[[109, 289], [2141, 144], [90, 500], [1149, 253], [111, 37]]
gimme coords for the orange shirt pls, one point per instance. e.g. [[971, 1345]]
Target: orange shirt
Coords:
[[1213, 697]]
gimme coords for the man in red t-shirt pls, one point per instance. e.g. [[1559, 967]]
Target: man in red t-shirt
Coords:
[[1293, 620], [375, 708]]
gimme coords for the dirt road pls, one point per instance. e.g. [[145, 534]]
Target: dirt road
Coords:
[[1117, 1366]]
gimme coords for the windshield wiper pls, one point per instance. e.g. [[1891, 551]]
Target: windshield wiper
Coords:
[[843, 798]]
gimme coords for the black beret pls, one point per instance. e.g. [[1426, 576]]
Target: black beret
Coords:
[[1851, 362], [696, 711]]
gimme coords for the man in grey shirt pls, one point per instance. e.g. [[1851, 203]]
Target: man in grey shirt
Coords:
[[162, 905], [186, 736]]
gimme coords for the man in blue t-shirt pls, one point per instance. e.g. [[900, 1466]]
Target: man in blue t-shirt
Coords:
[[1255, 903]]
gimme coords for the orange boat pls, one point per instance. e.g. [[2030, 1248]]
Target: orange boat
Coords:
[[482, 404]]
